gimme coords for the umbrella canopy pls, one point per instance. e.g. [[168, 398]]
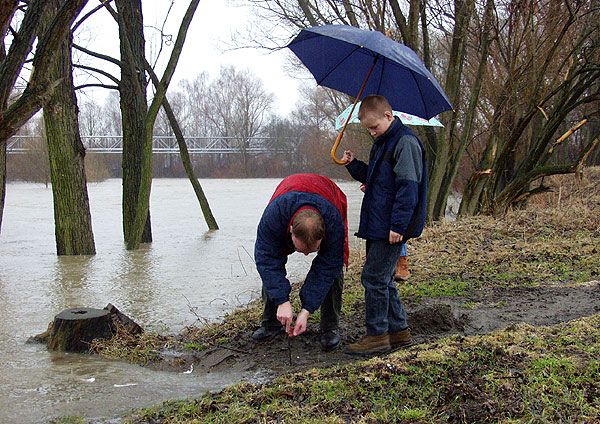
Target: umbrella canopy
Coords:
[[406, 118], [345, 58]]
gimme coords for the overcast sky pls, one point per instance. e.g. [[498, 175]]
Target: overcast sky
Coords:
[[210, 32]]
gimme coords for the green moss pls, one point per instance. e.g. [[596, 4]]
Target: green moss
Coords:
[[195, 346]]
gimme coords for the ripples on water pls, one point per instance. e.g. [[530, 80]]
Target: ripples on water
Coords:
[[185, 267]]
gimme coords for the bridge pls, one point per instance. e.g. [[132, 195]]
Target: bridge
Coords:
[[167, 144]]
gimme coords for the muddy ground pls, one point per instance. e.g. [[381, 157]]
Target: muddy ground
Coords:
[[430, 319]]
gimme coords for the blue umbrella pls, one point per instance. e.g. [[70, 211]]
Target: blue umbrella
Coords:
[[359, 62]]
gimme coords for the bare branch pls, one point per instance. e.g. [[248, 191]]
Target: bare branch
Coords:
[[110, 87], [99, 71]]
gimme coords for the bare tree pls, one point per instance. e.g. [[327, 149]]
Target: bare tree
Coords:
[[134, 111], [132, 86], [238, 107], [72, 217], [39, 86], [185, 157], [534, 111], [188, 102], [143, 200]]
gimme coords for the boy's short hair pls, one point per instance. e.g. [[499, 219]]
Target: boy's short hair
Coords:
[[308, 226], [374, 103]]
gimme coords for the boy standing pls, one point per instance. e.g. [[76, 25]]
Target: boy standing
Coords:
[[393, 210]]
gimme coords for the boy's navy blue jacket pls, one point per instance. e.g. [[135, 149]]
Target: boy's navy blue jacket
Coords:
[[274, 244], [396, 185]]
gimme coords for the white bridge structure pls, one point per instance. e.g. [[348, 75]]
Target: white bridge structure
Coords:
[[167, 144]]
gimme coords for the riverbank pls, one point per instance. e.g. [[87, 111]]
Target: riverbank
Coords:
[[504, 313]]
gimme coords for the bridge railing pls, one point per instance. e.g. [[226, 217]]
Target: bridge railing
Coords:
[[168, 144]]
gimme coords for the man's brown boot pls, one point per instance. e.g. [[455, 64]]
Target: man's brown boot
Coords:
[[402, 273], [369, 345], [401, 338]]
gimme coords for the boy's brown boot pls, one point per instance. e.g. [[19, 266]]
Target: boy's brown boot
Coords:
[[369, 345], [402, 273], [401, 338]]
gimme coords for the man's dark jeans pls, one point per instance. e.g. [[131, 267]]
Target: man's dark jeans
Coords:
[[383, 308], [330, 308]]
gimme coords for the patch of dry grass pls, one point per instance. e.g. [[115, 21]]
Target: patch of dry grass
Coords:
[[552, 241]]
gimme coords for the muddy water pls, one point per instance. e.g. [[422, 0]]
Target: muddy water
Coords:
[[185, 271]]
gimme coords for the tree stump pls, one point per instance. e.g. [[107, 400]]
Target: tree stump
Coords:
[[73, 329]]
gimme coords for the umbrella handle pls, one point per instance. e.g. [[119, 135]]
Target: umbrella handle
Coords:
[[341, 134], [335, 146]]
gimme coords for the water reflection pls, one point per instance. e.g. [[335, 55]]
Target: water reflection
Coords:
[[70, 283], [133, 285]]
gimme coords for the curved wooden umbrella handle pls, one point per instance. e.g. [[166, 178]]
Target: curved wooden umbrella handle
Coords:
[[341, 134], [335, 146]]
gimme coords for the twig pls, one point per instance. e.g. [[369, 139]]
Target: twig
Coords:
[[193, 311], [205, 321], [237, 296], [241, 263], [290, 350], [248, 254]]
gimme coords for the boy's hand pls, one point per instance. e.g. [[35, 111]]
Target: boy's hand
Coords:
[[285, 315], [348, 156], [395, 237]]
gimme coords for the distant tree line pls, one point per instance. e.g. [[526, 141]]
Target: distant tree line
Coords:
[[203, 108]]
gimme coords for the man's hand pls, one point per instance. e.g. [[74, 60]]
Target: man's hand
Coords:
[[285, 316], [395, 237], [348, 156], [301, 321]]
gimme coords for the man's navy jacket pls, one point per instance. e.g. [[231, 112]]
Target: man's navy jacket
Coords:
[[274, 243]]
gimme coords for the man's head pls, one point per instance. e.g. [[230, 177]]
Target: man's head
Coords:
[[375, 114], [308, 229]]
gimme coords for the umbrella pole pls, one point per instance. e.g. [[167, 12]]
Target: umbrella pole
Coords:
[[341, 134]]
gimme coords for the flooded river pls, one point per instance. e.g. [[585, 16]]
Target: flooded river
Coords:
[[185, 267]]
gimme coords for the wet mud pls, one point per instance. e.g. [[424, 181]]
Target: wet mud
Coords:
[[430, 319]]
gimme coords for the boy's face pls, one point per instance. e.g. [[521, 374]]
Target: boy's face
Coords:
[[377, 124]]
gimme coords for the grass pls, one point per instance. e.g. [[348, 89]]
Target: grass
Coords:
[[519, 375], [522, 374]]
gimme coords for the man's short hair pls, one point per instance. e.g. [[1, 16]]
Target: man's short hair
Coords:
[[308, 227], [374, 103]]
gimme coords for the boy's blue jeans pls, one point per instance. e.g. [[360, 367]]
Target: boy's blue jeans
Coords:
[[383, 308]]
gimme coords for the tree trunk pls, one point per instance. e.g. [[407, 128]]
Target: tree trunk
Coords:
[[74, 329], [2, 181], [143, 202], [72, 218], [441, 159], [471, 111], [7, 9], [134, 109], [38, 87], [187, 164]]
